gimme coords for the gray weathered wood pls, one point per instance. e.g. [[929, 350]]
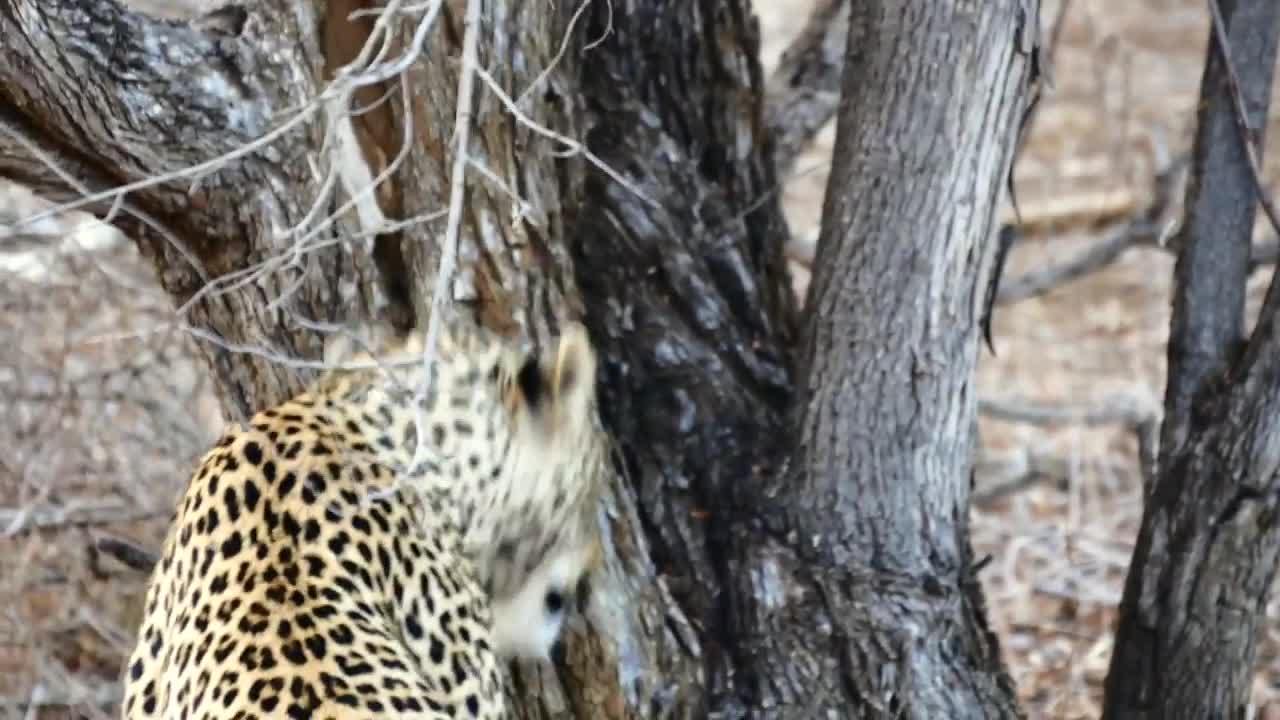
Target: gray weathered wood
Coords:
[[1209, 542]]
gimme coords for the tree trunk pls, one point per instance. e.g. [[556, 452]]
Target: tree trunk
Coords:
[[199, 86], [687, 296], [875, 496], [698, 368], [1207, 549], [743, 578]]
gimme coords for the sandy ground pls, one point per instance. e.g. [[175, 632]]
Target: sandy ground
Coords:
[[1124, 89]]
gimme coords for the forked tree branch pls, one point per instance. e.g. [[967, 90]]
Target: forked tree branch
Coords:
[[1220, 208], [1209, 542]]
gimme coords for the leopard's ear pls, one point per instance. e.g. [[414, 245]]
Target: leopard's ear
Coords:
[[573, 375], [359, 340], [557, 385]]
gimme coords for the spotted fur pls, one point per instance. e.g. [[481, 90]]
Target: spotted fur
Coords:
[[328, 562]]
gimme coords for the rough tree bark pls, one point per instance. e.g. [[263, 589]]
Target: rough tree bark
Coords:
[[1207, 549], [801, 605], [771, 557], [875, 497], [804, 90], [97, 95]]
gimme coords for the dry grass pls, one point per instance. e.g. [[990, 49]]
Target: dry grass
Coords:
[[112, 425], [99, 430]]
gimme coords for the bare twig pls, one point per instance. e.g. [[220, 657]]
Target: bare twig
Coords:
[[1101, 254], [1141, 230], [1010, 473], [1125, 410], [457, 195], [77, 513], [1091, 259]]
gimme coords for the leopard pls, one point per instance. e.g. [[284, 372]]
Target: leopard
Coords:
[[381, 543]]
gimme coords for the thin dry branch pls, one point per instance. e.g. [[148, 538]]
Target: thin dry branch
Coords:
[[1101, 254], [1251, 137], [804, 91], [1144, 230], [1124, 410], [1092, 259], [1139, 416], [1004, 474], [76, 513], [59, 175], [1140, 230]]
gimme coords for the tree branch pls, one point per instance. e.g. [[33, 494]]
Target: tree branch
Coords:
[[1207, 549], [191, 139], [803, 92], [1124, 410], [76, 513], [1141, 230], [1213, 262]]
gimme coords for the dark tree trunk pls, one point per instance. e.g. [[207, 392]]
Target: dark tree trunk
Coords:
[[686, 293], [1209, 541], [820, 587], [775, 553]]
